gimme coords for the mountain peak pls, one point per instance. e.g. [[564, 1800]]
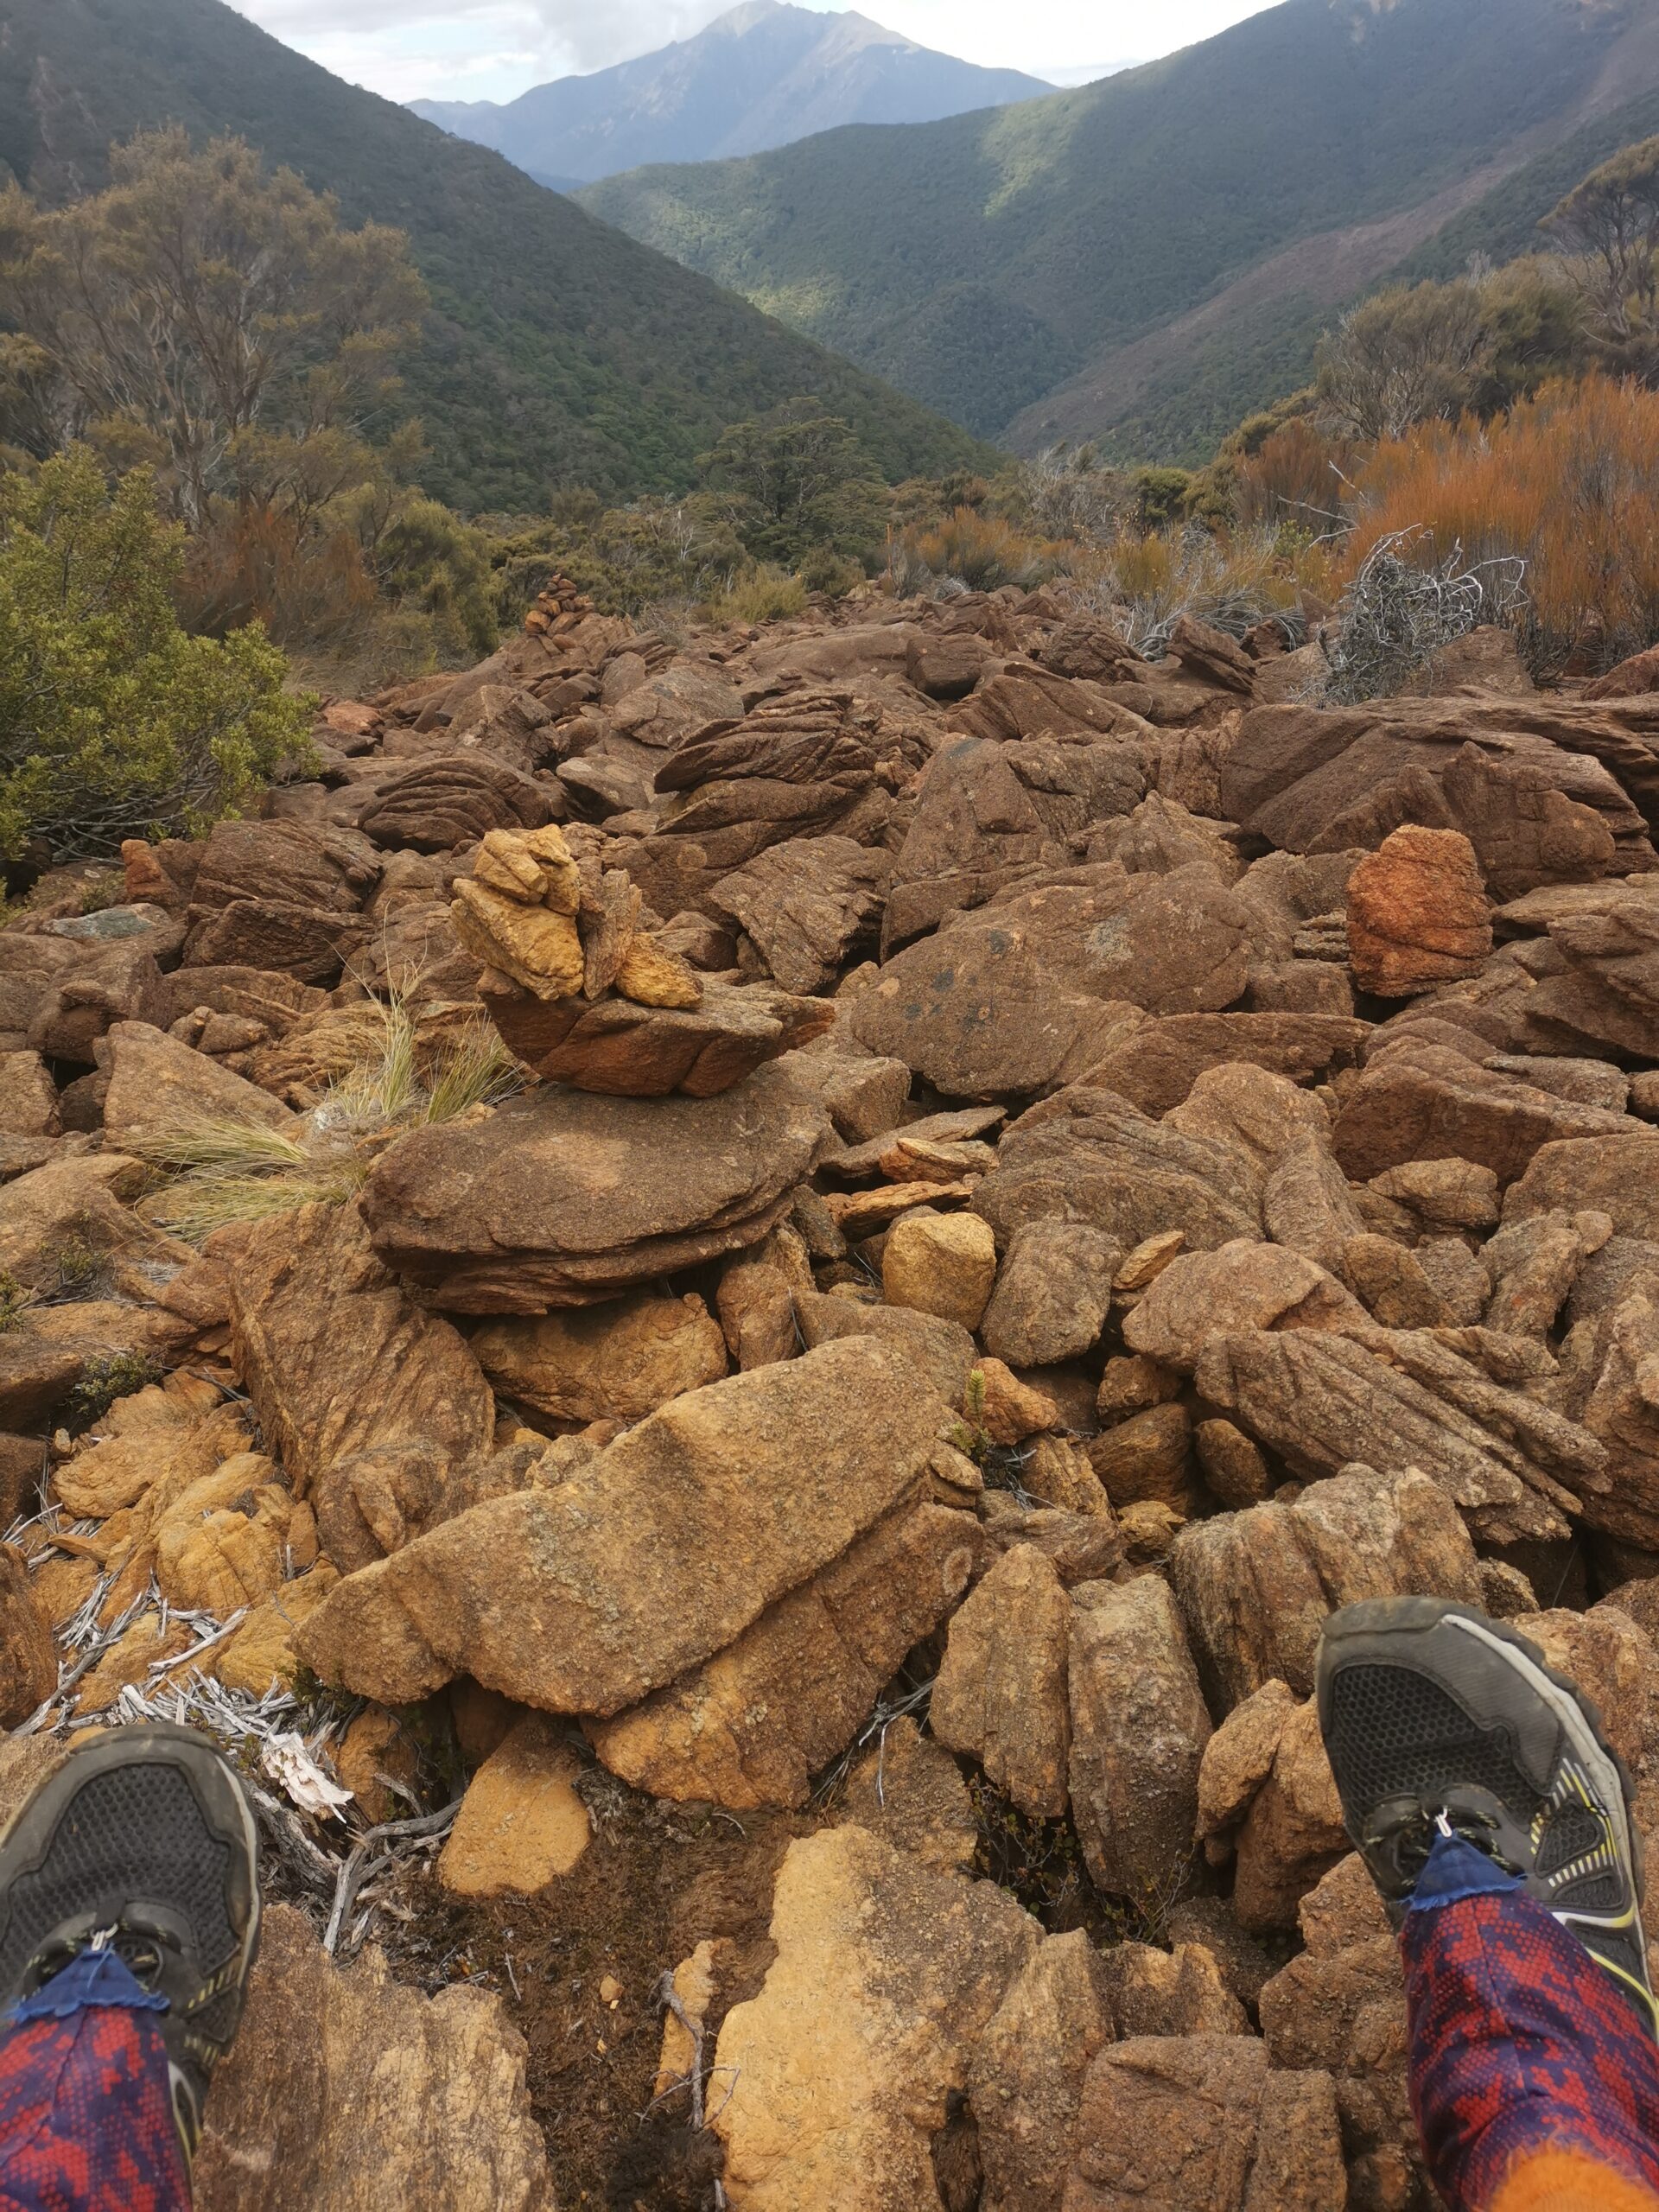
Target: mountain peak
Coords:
[[762, 75]]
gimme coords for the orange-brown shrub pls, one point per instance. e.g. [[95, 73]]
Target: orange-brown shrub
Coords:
[[251, 564], [1297, 476], [981, 550], [1568, 481]]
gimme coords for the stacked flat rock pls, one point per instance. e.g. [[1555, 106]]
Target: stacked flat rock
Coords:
[[583, 995]]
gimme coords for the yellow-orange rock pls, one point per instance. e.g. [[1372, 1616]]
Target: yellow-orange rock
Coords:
[[521, 1825]]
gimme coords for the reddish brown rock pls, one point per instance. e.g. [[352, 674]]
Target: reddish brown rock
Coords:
[[1418, 914]]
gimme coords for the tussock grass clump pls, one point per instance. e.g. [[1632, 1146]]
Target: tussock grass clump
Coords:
[[400, 1073]]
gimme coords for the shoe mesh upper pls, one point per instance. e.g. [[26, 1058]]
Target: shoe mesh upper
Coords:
[[1395, 1734], [134, 1832]]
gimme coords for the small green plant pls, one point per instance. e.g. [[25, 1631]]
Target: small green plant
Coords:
[[103, 1380], [78, 1268], [15, 1300]]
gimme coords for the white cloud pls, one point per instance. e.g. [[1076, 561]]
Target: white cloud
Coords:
[[491, 49]]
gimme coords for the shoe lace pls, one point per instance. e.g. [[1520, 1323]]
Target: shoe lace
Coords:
[[138, 1950], [1415, 1837]]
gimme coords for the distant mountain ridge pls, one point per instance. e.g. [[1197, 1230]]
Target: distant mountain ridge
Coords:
[[556, 352], [763, 75], [1147, 260]]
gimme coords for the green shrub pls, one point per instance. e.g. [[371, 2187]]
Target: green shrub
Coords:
[[113, 722], [827, 571]]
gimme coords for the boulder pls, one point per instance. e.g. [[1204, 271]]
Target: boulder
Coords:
[[1139, 1726], [1279, 1813], [335, 1357], [1147, 1456], [1312, 779], [1243, 1286], [621, 1048], [1053, 1293], [348, 2091], [437, 805], [1088, 1156], [158, 1087], [1001, 1694], [940, 1263], [616, 1362], [808, 906], [1418, 914], [751, 1726], [521, 1826], [842, 2069], [1616, 1175], [564, 1200], [1340, 2006], [1321, 1400], [64, 1224], [986, 812], [1201, 2120], [1255, 1588], [651, 1557], [29, 1097]]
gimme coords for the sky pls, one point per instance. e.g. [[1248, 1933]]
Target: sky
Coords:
[[494, 49]]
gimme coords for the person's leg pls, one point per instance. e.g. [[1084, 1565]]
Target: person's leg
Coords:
[[1494, 1818], [129, 1921]]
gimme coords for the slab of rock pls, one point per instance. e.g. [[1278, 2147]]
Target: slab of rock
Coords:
[[810, 907], [616, 1362], [1423, 1100], [157, 1086], [29, 1097], [28, 1653], [1139, 1726], [1312, 779], [1088, 1156], [1001, 1695], [454, 800], [1201, 2120], [336, 1359], [1321, 1401], [940, 1263], [651, 1558], [1617, 1175], [1255, 1588], [1243, 1286], [1027, 2074], [562, 1199], [1418, 913], [909, 1791], [752, 1726], [625, 1049], [61, 1223], [844, 2068], [348, 2091], [1156, 1067], [521, 1826], [1053, 1293]]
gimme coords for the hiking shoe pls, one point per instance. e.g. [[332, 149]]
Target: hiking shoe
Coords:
[[143, 1843], [1438, 1720]]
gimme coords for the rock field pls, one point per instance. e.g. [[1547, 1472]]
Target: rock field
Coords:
[[802, 1518]]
